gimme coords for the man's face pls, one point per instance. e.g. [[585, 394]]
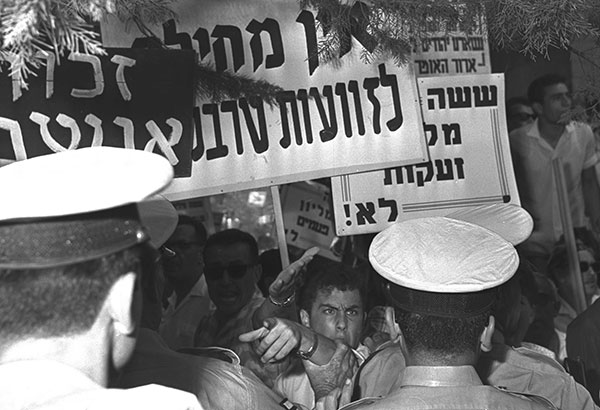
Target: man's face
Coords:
[[588, 274], [187, 263], [231, 274], [338, 315], [519, 115], [556, 105]]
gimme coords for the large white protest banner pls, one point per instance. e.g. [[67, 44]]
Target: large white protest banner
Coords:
[[470, 161], [330, 120]]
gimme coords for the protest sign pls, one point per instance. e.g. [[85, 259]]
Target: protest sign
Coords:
[[470, 161], [330, 119], [452, 53], [308, 218], [136, 99]]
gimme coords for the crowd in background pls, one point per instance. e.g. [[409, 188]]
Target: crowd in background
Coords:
[[441, 311]]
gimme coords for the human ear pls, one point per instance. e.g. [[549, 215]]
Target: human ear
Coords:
[[485, 340], [304, 318], [392, 325], [122, 308]]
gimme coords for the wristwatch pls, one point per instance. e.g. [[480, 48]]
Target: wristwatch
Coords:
[[285, 303], [305, 355]]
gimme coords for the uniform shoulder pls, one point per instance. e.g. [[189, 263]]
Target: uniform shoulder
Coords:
[[524, 357]]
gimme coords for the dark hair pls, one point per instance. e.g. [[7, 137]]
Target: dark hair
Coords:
[[440, 337], [198, 226], [60, 301], [558, 263], [517, 101], [230, 237], [326, 275], [535, 92]]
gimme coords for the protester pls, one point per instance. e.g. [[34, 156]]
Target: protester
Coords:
[[72, 249], [518, 113], [560, 273], [214, 374], [534, 147], [332, 304], [442, 275], [184, 268], [583, 340], [232, 270]]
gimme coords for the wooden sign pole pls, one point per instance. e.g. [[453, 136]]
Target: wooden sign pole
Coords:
[[569, 233], [283, 250]]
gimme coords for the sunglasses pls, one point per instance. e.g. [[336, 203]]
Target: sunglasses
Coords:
[[584, 266], [234, 271], [167, 253]]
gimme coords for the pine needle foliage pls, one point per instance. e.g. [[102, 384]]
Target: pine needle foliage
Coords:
[[29, 29]]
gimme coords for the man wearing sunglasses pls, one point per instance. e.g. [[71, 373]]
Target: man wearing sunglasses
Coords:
[[184, 265], [232, 270], [518, 113]]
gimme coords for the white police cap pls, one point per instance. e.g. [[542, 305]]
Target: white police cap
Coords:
[[75, 205], [431, 261]]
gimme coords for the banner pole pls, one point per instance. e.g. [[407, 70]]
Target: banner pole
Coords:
[[283, 250], [569, 234]]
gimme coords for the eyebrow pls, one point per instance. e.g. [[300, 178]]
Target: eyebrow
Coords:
[[337, 308]]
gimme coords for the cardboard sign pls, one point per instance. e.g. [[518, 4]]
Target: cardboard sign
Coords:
[[451, 54], [470, 161], [137, 99], [330, 119], [308, 218]]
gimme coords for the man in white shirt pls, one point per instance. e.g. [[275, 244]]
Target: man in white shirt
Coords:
[[534, 147]]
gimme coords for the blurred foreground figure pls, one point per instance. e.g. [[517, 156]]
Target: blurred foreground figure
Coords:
[[72, 248]]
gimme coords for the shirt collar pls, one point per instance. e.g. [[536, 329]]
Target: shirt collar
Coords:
[[440, 376], [534, 130]]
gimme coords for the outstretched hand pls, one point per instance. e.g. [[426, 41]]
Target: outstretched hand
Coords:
[[286, 282], [275, 339]]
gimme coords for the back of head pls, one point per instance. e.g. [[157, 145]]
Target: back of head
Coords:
[[444, 273], [62, 300], [69, 230], [536, 90], [440, 340]]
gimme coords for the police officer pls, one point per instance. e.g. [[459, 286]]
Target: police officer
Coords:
[[72, 248], [442, 276]]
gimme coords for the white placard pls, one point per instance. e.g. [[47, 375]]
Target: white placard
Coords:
[[308, 218], [470, 165], [453, 53], [331, 120]]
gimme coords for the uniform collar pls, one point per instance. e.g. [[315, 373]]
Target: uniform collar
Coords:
[[440, 376]]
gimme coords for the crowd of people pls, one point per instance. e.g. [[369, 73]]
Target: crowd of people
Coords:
[[111, 299]]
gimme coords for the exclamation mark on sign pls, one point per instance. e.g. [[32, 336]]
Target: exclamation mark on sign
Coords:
[[347, 212]]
